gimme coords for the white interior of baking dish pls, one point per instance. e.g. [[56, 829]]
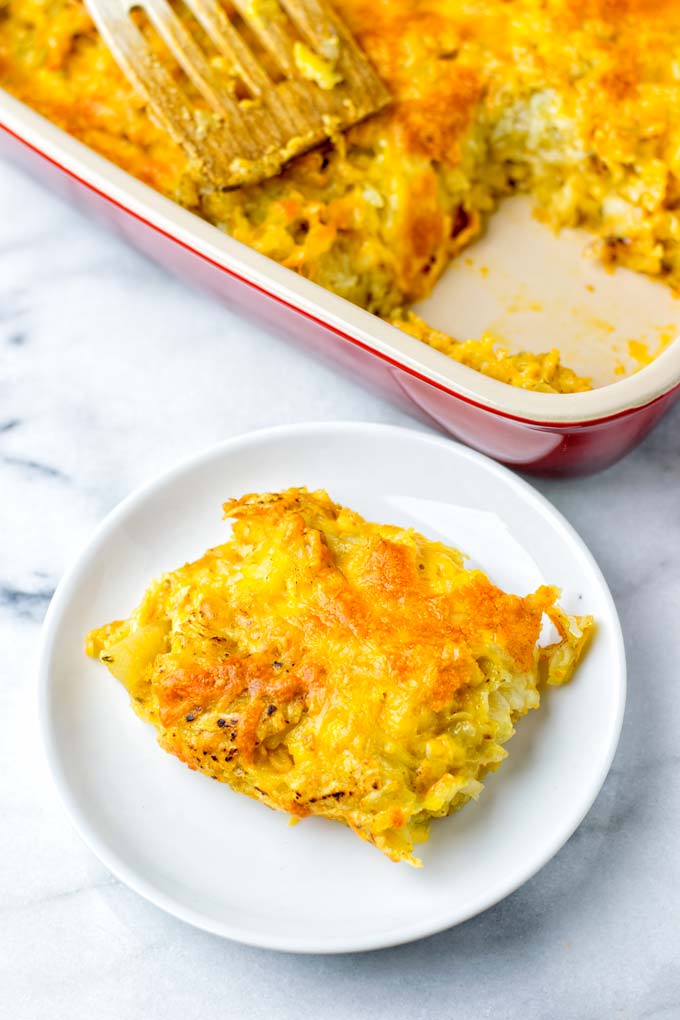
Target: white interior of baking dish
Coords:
[[533, 290], [527, 286]]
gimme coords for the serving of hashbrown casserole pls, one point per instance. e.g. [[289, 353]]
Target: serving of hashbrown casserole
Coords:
[[326, 665]]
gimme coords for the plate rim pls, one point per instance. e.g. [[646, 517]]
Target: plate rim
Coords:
[[144, 886]]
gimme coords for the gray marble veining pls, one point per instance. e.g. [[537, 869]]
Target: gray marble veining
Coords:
[[109, 372]]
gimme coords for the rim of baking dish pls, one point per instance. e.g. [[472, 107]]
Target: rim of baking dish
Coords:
[[345, 319]]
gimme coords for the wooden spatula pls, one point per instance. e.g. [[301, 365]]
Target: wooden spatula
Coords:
[[249, 125]]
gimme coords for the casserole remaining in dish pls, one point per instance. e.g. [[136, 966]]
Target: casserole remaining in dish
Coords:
[[575, 101], [325, 665]]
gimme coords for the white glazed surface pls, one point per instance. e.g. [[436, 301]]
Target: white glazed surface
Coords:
[[500, 285], [150, 372], [181, 840]]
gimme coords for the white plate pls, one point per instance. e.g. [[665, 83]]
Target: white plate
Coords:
[[223, 862]]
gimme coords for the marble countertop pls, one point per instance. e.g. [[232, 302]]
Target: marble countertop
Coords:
[[147, 371]]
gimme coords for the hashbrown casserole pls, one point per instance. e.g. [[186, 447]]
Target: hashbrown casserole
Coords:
[[576, 102], [326, 665]]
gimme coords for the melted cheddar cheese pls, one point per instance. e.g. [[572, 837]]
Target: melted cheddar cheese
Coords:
[[326, 665], [574, 101]]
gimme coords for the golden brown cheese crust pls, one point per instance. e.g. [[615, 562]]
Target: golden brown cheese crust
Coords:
[[326, 665], [575, 101]]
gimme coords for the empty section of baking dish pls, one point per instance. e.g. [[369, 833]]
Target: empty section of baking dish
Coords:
[[533, 290]]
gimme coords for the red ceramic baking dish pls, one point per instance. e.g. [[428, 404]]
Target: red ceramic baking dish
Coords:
[[558, 434]]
